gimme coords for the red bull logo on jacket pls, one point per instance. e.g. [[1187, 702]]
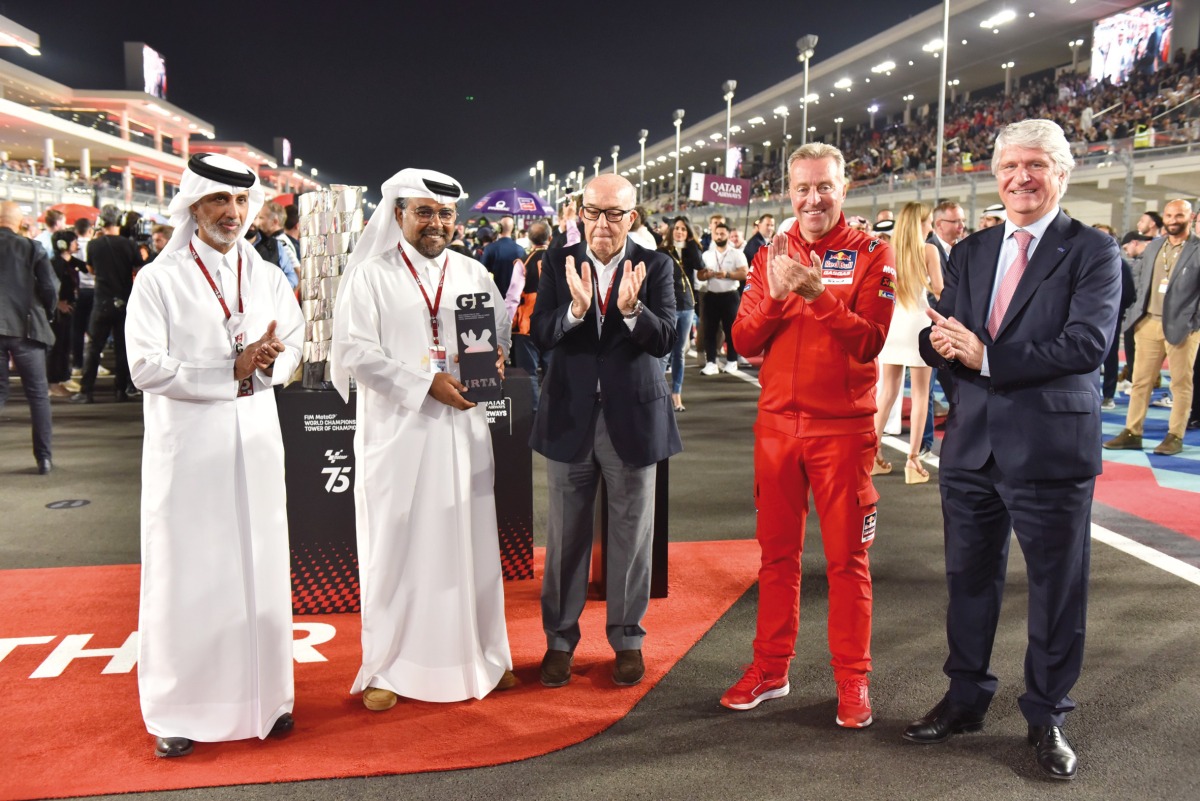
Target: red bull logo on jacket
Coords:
[[838, 266]]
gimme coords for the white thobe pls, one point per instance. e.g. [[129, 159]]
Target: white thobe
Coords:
[[428, 549], [215, 654]]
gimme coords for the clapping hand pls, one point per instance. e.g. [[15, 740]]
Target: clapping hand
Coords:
[[259, 355], [631, 285], [580, 284]]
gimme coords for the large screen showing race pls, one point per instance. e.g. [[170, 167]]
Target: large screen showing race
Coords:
[[145, 70], [1133, 42]]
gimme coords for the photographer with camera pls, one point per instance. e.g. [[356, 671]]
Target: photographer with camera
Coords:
[[113, 259]]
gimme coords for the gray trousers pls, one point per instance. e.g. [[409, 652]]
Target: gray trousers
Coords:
[[573, 487]]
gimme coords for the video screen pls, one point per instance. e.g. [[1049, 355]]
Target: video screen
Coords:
[[154, 72], [1133, 42]]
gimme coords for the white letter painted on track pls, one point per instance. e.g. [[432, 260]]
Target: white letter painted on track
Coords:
[[71, 648], [318, 634], [10, 644]]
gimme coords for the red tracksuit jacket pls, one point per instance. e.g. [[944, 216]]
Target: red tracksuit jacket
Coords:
[[818, 374]]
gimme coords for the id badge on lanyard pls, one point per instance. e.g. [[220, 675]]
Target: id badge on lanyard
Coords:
[[437, 351], [246, 385], [233, 322]]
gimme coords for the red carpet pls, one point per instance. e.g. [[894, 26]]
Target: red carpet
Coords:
[[1133, 489], [80, 732]]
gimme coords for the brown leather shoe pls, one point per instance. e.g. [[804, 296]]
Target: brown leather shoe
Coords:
[[507, 681], [1170, 446], [629, 668], [556, 667], [378, 699], [1125, 441]]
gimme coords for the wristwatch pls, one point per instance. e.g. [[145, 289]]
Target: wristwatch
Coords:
[[636, 311]]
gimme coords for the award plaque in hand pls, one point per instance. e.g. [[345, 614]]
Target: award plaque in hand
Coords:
[[477, 356]]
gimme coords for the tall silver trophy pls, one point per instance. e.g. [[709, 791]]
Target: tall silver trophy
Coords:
[[331, 221]]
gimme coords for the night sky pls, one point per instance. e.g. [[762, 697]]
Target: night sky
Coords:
[[479, 91]]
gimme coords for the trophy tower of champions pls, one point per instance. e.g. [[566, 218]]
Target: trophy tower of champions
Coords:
[[331, 221]]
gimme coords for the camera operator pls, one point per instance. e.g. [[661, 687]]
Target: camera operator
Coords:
[[113, 259]]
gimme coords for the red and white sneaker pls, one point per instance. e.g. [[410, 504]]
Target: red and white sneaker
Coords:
[[754, 688], [854, 706]]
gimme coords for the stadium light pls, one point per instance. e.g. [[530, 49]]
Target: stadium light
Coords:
[[805, 47]]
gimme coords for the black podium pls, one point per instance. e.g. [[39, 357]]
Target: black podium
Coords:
[[318, 438]]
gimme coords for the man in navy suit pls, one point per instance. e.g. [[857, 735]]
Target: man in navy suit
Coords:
[[1024, 322], [606, 312]]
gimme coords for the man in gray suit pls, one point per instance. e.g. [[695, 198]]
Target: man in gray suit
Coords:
[[1166, 324], [28, 295]]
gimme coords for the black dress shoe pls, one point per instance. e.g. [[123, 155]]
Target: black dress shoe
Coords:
[[81, 397], [133, 394], [283, 724], [44, 466], [942, 721], [1055, 756], [556, 668], [172, 746], [629, 668], [1193, 424]]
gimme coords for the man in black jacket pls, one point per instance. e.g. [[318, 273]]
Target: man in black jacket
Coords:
[[112, 259], [28, 294]]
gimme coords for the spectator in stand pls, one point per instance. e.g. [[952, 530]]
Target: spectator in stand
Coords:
[[55, 222], [66, 270], [684, 251], [498, 257], [723, 268], [918, 272], [27, 299], [113, 259]]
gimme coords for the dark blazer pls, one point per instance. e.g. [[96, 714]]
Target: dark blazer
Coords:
[[634, 395], [1039, 412], [28, 289], [1181, 305]]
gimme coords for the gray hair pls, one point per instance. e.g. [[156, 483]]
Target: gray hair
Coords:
[[1044, 135], [818, 150]]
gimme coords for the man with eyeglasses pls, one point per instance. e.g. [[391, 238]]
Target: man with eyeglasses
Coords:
[[818, 301], [606, 311], [429, 556]]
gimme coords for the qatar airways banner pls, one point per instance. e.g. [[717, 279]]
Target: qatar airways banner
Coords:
[[719, 189]]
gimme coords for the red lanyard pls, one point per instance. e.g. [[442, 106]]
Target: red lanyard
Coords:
[[437, 301], [213, 284], [603, 300]]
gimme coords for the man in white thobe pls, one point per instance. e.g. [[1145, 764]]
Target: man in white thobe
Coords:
[[428, 548], [211, 329]]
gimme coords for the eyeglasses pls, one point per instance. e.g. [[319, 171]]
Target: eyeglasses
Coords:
[[424, 214], [949, 221], [591, 213]]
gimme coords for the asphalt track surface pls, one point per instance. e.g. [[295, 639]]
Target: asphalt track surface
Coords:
[[1139, 696]]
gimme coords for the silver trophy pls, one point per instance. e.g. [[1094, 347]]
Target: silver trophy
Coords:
[[331, 221]]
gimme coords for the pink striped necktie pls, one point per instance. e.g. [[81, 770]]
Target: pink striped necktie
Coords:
[[1008, 285]]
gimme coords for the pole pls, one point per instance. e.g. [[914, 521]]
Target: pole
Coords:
[[941, 121], [804, 118]]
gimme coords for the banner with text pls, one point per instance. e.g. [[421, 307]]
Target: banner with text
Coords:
[[718, 189]]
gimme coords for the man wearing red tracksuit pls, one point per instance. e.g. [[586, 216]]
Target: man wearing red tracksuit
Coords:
[[818, 303]]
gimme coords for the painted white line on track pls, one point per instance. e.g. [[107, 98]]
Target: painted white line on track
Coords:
[[1162, 561], [1150, 556]]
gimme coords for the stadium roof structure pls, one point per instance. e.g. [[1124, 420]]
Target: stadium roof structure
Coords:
[[1035, 37]]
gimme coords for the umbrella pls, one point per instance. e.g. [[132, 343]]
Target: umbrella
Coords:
[[74, 211], [514, 202]]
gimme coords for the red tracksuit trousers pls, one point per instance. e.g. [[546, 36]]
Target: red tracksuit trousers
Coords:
[[837, 470]]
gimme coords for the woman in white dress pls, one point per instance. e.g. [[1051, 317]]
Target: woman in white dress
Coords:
[[918, 271]]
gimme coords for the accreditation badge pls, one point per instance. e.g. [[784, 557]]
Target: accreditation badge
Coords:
[[437, 359]]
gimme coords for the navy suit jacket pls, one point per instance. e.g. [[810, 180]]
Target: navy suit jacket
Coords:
[[1039, 412], [627, 364]]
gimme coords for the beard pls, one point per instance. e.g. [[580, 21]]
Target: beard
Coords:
[[217, 234], [429, 244]]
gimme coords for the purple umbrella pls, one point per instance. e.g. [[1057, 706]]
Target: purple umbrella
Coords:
[[514, 202]]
